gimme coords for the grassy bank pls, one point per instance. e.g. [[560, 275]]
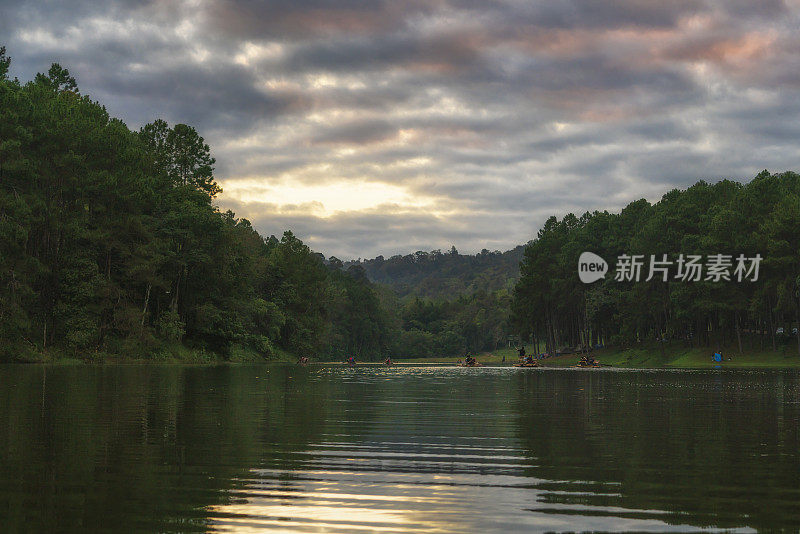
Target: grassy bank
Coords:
[[646, 358], [175, 353], [681, 357]]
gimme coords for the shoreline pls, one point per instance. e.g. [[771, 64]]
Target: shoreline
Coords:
[[645, 357]]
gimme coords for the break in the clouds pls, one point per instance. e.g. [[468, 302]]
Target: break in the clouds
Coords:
[[372, 127]]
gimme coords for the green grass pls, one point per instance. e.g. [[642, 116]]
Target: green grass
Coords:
[[685, 357], [164, 353], [645, 357]]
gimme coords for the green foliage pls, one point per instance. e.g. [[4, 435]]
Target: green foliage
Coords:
[[438, 275], [5, 63], [553, 307], [57, 79], [361, 325], [182, 155], [474, 323], [110, 244], [169, 326], [443, 304]]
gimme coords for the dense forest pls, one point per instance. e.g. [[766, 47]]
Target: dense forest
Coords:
[[448, 302], [437, 274], [111, 245], [761, 218]]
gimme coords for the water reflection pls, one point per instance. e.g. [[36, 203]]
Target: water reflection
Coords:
[[240, 448]]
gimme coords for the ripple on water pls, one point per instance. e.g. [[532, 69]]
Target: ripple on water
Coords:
[[399, 449]]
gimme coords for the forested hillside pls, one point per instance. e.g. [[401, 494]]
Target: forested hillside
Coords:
[[718, 224], [438, 275], [110, 244], [446, 303]]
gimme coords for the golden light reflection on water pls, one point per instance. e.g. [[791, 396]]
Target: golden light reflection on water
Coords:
[[327, 505], [255, 516], [382, 501]]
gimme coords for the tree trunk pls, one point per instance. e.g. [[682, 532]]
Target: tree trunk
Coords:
[[797, 317], [146, 302], [586, 324], [771, 325], [173, 306], [551, 334], [738, 331]]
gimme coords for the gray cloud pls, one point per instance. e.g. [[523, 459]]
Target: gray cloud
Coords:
[[357, 132], [308, 18], [496, 115]]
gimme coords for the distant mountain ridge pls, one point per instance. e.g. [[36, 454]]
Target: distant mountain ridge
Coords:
[[448, 275]]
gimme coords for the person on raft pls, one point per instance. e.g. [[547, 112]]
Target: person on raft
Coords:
[[303, 360], [528, 358], [521, 351], [468, 359], [586, 360], [350, 361], [388, 360]]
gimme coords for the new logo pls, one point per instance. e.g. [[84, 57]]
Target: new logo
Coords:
[[591, 267]]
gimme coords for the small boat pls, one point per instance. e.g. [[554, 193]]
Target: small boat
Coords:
[[584, 365], [527, 364]]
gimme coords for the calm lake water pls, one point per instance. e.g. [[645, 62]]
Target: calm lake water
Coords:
[[434, 449]]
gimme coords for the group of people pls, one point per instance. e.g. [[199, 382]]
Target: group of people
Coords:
[[469, 360], [524, 358], [585, 361]]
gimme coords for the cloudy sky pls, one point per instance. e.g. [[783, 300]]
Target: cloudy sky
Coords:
[[379, 127]]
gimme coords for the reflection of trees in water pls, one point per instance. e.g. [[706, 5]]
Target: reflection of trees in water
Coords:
[[142, 446], [158, 448], [710, 449]]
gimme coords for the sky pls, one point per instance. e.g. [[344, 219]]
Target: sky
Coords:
[[374, 127]]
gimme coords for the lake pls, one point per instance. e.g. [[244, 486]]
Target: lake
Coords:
[[323, 449]]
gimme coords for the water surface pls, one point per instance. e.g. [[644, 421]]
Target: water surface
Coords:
[[249, 448]]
